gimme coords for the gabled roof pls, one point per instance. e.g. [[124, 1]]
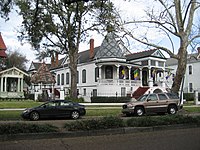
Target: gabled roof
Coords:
[[36, 65], [43, 75], [148, 53], [2, 44], [12, 69]]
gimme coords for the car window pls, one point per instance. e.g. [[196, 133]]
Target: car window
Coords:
[[142, 98], [162, 96], [172, 95], [153, 97], [64, 104], [51, 104]]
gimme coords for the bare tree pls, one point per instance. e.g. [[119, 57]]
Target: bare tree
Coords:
[[172, 18]]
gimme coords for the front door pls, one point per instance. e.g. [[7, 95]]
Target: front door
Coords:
[[144, 78]]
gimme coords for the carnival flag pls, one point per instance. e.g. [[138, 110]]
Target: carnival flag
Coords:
[[136, 74]]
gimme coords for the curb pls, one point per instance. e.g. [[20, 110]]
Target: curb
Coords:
[[70, 134]]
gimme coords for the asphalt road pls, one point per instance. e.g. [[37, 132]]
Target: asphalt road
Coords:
[[181, 139]]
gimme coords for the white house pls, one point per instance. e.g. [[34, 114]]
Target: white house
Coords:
[[191, 81], [111, 70]]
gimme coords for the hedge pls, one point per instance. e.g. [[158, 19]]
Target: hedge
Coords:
[[110, 99]]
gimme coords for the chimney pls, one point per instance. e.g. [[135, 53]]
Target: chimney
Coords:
[[52, 60], [198, 49], [91, 48], [56, 59]]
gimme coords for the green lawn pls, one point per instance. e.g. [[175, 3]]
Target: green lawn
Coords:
[[19, 104]]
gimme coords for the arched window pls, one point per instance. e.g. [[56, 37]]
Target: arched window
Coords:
[[67, 78], [109, 72], [62, 79], [96, 73], [58, 79], [84, 76], [190, 69]]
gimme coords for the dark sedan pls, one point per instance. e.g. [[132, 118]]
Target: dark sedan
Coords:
[[55, 109]]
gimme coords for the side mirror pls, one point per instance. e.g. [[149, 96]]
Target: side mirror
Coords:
[[148, 99]]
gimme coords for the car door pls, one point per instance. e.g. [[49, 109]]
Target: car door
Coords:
[[163, 102], [65, 108], [48, 110], [152, 103]]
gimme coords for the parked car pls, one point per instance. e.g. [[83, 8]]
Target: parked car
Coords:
[[55, 109], [153, 103]]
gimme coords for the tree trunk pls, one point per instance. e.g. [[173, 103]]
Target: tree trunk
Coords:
[[73, 70], [181, 68]]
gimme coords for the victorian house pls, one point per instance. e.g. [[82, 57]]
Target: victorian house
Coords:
[[112, 70]]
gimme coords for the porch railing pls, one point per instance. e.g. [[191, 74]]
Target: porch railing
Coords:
[[121, 82]]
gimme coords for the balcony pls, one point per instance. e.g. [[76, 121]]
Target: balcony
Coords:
[[120, 82]]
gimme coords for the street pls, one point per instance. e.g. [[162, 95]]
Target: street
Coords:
[[181, 139]]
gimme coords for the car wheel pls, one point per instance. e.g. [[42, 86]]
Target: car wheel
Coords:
[[172, 109], [139, 111], [75, 114], [34, 116]]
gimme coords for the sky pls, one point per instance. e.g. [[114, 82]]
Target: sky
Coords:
[[9, 29]]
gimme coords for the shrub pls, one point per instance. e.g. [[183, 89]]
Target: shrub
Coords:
[[25, 128], [78, 100], [110, 99], [188, 96], [96, 124], [162, 120]]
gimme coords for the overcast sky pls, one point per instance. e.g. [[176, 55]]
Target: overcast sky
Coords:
[[9, 28]]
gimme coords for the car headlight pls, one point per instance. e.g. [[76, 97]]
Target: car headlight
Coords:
[[27, 110], [130, 106]]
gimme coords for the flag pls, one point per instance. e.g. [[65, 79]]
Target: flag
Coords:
[[168, 75], [136, 74], [153, 72]]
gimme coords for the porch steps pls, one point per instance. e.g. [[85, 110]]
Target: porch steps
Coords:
[[139, 92]]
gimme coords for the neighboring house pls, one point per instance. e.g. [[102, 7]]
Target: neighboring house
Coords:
[[11, 80], [12, 83], [111, 70], [42, 80], [191, 80]]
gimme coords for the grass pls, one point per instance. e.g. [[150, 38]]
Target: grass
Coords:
[[19, 104], [10, 115]]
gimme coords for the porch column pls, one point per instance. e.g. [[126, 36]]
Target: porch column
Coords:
[[1, 84], [99, 72], [22, 85], [18, 85], [5, 84], [129, 72], [149, 73], [117, 71], [140, 77]]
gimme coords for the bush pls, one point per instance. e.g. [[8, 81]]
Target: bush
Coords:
[[162, 120], [25, 128], [78, 100], [95, 124], [110, 99], [188, 96]]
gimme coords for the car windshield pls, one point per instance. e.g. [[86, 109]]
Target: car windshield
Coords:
[[142, 98]]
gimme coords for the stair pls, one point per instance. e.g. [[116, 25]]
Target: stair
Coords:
[[139, 92]]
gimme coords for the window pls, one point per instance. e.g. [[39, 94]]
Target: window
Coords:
[[153, 97], [58, 79], [190, 69], [109, 72], [67, 78], [190, 87], [162, 97], [153, 63], [145, 63], [84, 76], [77, 76], [161, 64], [172, 95], [62, 79], [94, 92], [96, 73], [84, 92]]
